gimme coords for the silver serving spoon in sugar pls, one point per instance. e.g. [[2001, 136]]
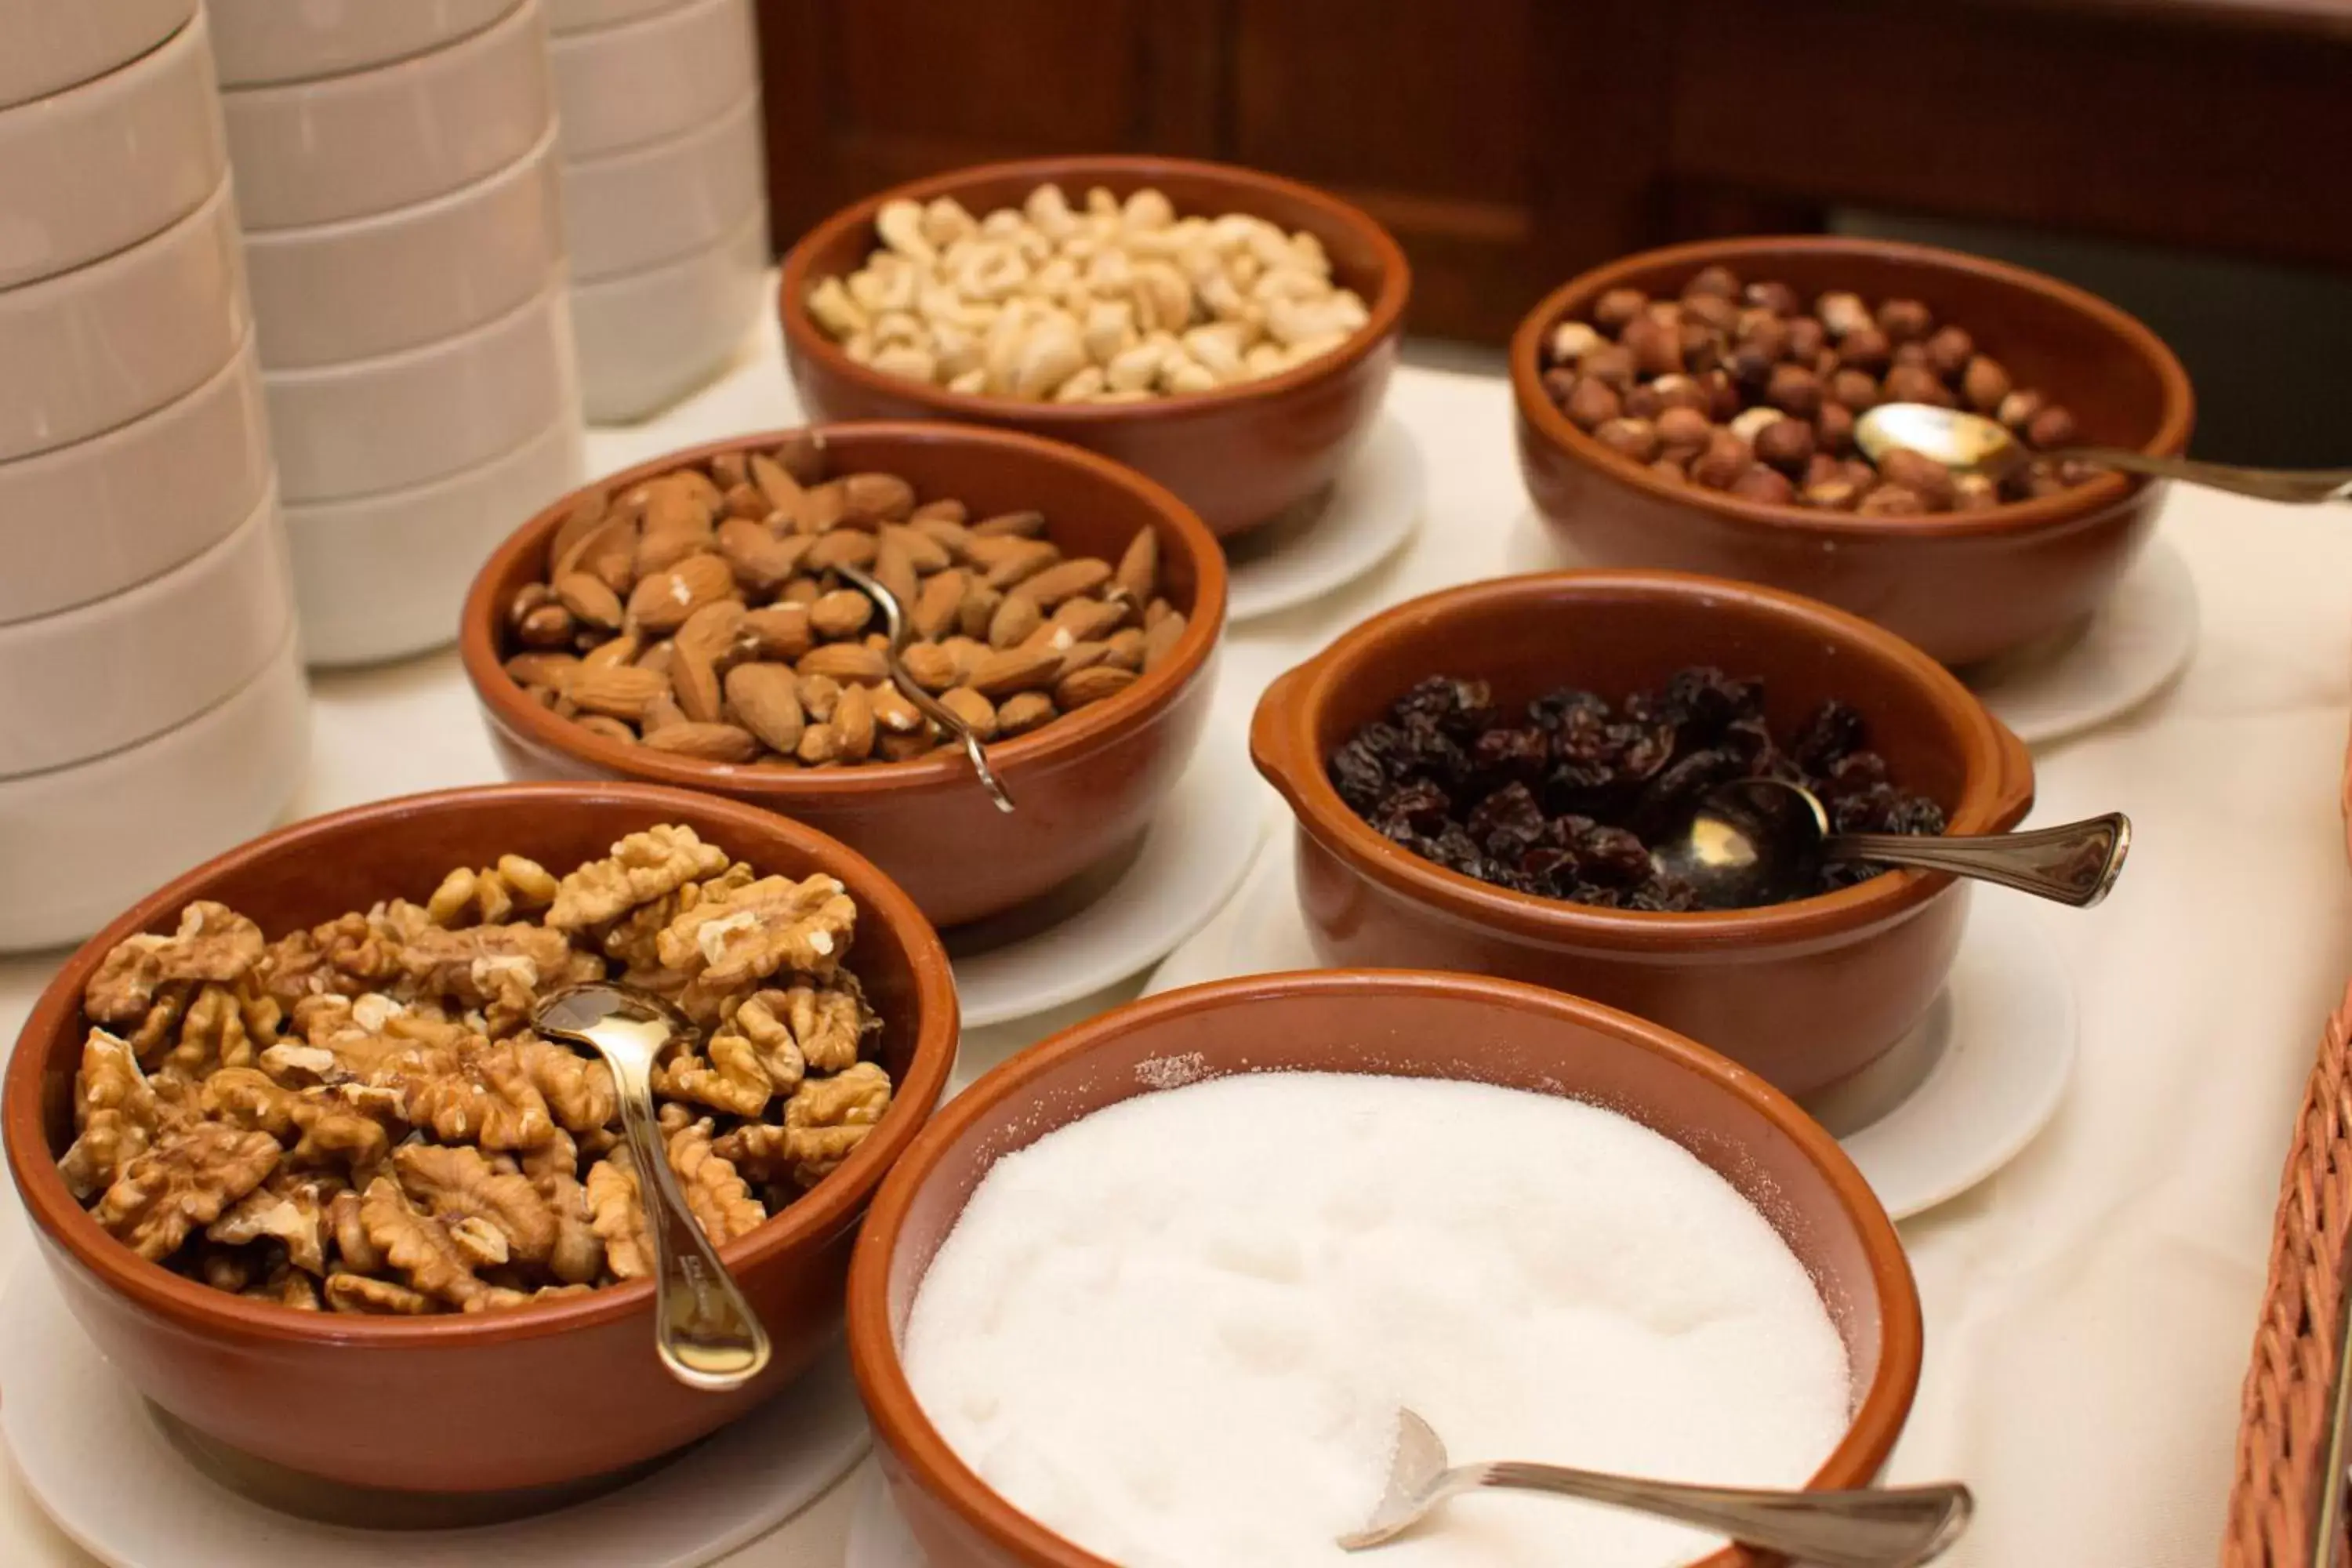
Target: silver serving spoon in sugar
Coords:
[[1894, 1527]]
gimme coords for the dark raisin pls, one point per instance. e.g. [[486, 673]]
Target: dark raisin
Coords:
[[1411, 811], [1508, 823], [1833, 731]]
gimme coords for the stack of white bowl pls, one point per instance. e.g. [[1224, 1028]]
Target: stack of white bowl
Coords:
[[664, 193], [397, 173], [152, 705]]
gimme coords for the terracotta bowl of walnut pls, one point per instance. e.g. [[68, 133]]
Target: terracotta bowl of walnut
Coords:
[[1694, 407], [1228, 333], [299, 1166], [686, 622]]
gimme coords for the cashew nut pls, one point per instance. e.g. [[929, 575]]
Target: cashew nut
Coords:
[[900, 225]]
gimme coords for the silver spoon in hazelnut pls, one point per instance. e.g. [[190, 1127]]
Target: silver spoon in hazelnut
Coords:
[[1972, 444]]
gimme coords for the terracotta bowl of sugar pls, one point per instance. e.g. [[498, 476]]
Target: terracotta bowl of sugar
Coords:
[[1154, 1290]]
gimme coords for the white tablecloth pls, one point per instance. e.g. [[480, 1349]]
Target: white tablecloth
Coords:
[[2090, 1309]]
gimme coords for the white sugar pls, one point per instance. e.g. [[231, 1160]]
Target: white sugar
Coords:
[[1177, 1331]]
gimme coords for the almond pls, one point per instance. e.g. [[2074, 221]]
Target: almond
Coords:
[[780, 631], [893, 570], [842, 547], [1007, 670], [662, 602], [946, 509], [766, 701], [610, 729], [844, 661], [875, 498], [965, 651], [1138, 567], [894, 712], [660, 550], [622, 650], [783, 491], [1157, 611], [745, 501], [801, 590], [819, 694], [923, 553], [819, 743], [759, 558], [1083, 656], [893, 747], [681, 501], [587, 509], [1161, 640], [840, 613], [801, 455], [979, 608], [662, 712], [852, 723], [588, 598], [656, 659], [948, 535], [977, 712], [729, 469], [553, 671], [617, 692], [1017, 566], [704, 742], [936, 605], [608, 552], [1075, 690], [713, 634], [1126, 648], [1066, 580], [1087, 619], [933, 667], [694, 684], [1023, 713], [1011, 524], [1017, 616], [819, 509]]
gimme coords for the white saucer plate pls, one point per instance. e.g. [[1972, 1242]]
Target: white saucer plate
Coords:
[[1334, 538], [99, 1459], [2125, 652], [1956, 1099], [1123, 917], [879, 1536]]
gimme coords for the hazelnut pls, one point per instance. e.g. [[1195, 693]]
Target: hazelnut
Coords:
[[1671, 470], [1841, 312], [1822, 468], [1617, 307], [1830, 495], [1634, 438], [2042, 479], [1795, 390], [1834, 427], [1666, 312], [1558, 383], [1592, 403], [1984, 384], [1865, 348], [1680, 392], [1910, 354], [1949, 351], [1703, 346], [1712, 283], [1825, 365], [1915, 384], [1891, 501], [2018, 409], [1775, 297], [1905, 321], [1713, 311], [1726, 458], [1807, 339], [1684, 429], [1859, 474], [1857, 390], [1762, 484], [1786, 444], [1751, 361], [1657, 347], [1750, 421], [1611, 363], [1919, 473], [1722, 394], [1642, 402], [1571, 341], [2053, 427], [1974, 492]]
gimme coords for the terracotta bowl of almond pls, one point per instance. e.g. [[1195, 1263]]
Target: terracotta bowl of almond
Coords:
[[1694, 407], [296, 1161], [687, 622]]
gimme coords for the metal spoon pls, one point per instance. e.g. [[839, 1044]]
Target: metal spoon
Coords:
[[894, 616], [1897, 1527], [707, 1333], [1971, 443], [1762, 841]]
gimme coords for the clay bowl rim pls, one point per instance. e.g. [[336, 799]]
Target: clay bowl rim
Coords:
[[1090, 729], [1078, 421], [900, 1425], [194, 1307], [1999, 774], [1538, 412]]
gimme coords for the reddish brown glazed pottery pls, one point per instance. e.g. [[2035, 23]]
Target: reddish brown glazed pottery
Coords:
[[534, 1396], [1804, 993], [1238, 456], [1393, 1022], [1963, 585], [1086, 784]]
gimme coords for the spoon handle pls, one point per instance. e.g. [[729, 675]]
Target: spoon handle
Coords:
[[2301, 485], [707, 1333], [1894, 1527], [2075, 863]]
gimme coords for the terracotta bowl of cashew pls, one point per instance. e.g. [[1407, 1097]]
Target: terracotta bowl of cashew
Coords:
[[1227, 332], [534, 1393]]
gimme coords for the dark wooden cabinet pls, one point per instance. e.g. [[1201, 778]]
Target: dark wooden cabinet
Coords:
[[1509, 143]]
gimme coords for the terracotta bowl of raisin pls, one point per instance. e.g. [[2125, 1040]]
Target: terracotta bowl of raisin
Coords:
[[1473, 773], [300, 1167], [1693, 408], [687, 622]]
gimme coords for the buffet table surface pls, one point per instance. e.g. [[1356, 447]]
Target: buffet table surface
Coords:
[[2089, 1309]]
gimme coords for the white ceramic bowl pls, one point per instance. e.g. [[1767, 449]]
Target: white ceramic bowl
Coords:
[[96, 347], [264, 41], [383, 577], [86, 171], [583, 16], [344, 146], [653, 76], [101, 515], [634, 209], [110, 673], [367, 286], [53, 45], [649, 338], [83, 842], [401, 419]]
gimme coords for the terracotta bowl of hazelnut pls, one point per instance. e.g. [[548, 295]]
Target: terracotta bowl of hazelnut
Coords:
[[1693, 407], [1227, 332], [684, 622], [314, 1320], [1476, 775]]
